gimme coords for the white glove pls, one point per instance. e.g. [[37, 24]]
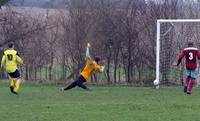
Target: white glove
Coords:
[[88, 45], [101, 69]]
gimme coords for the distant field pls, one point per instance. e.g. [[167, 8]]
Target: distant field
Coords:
[[47, 103]]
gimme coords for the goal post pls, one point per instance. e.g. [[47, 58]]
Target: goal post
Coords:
[[158, 39]]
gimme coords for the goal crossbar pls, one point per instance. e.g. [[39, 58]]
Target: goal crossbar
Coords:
[[159, 21], [178, 20]]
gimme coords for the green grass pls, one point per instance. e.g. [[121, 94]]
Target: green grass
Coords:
[[47, 103]]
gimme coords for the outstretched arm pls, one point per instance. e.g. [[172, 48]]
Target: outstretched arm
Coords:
[[19, 60], [88, 58], [180, 58], [88, 50]]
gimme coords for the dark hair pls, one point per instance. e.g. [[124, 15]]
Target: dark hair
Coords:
[[97, 59], [190, 44], [10, 45]]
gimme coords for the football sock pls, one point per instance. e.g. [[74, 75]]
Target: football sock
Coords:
[[12, 82], [17, 85], [190, 85]]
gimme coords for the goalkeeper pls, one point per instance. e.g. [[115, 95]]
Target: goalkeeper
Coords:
[[91, 67], [10, 58], [191, 55]]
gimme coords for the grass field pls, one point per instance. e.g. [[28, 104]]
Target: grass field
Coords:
[[47, 103]]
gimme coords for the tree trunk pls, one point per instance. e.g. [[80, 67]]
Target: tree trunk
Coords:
[[26, 73], [35, 74], [51, 66]]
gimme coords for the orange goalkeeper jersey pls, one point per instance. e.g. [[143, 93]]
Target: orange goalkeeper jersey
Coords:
[[90, 68]]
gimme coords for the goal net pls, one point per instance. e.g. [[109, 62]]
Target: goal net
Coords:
[[172, 37]]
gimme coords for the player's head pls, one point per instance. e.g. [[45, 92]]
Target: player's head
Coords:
[[97, 59], [190, 44], [11, 45]]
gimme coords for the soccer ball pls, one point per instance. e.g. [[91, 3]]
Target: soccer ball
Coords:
[[155, 82]]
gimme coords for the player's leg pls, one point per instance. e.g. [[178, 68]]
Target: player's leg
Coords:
[[80, 83], [186, 83], [16, 77], [192, 81], [12, 81], [191, 85], [12, 84], [72, 85], [17, 85]]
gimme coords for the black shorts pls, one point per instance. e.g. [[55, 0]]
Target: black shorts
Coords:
[[81, 79], [15, 74]]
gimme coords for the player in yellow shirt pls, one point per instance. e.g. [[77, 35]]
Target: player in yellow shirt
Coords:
[[10, 59], [90, 68]]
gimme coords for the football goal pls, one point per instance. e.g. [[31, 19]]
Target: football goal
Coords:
[[172, 36]]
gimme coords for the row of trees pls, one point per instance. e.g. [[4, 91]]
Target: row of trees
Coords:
[[121, 32]]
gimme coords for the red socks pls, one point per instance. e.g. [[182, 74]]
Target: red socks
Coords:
[[190, 84]]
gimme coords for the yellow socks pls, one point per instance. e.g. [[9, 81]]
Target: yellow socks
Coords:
[[17, 85], [12, 82]]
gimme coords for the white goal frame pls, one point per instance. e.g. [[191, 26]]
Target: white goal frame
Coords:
[[159, 21]]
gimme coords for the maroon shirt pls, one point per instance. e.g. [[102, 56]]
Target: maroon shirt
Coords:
[[191, 55]]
